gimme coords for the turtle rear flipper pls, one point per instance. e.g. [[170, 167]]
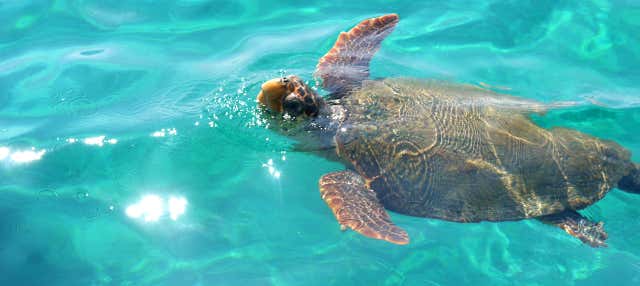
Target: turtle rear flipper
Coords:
[[358, 208], [346, 65], [575, 224]]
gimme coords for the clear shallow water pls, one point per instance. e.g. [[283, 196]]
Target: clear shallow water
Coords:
[[170, 86]]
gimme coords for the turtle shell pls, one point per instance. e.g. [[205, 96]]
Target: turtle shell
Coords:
[[462, 153]]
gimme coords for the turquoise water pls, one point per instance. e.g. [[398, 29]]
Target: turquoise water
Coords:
[[109, 106]]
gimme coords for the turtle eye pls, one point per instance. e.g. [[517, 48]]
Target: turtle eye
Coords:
[[292, 105], [284, 80]]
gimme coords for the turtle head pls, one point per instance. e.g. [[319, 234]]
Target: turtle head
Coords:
[[289, 95]]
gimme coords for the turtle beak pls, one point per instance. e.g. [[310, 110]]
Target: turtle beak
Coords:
[[272, 94]]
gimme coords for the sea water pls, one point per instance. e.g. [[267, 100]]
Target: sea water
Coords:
[[131, 151]]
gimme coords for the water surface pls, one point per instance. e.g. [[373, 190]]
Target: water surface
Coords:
[[111, 107]]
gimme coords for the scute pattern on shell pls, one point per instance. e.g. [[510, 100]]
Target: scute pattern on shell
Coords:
[[462, 153]]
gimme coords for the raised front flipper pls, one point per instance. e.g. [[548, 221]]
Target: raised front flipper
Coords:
[[358, 208], [346, 65], [578, 226]]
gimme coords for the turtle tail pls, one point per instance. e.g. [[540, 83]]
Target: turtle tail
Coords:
[[631, 182]]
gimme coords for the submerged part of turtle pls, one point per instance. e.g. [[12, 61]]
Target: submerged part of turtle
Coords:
[[440, 150]]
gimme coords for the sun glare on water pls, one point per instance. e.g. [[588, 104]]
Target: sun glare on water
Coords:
[[275, 173], [153, 208], [4, 153], [21, 156]]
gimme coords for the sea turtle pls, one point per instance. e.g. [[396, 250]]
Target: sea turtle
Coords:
[[439, 150]]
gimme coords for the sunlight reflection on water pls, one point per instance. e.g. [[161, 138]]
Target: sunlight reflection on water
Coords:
[[272, 169], [21, 156], [151, 208], [164, 132], [4, 152], [93, 141]]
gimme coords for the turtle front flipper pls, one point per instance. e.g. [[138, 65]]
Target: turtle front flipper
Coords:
[[346, 65], [358, 208], [575, 224]]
